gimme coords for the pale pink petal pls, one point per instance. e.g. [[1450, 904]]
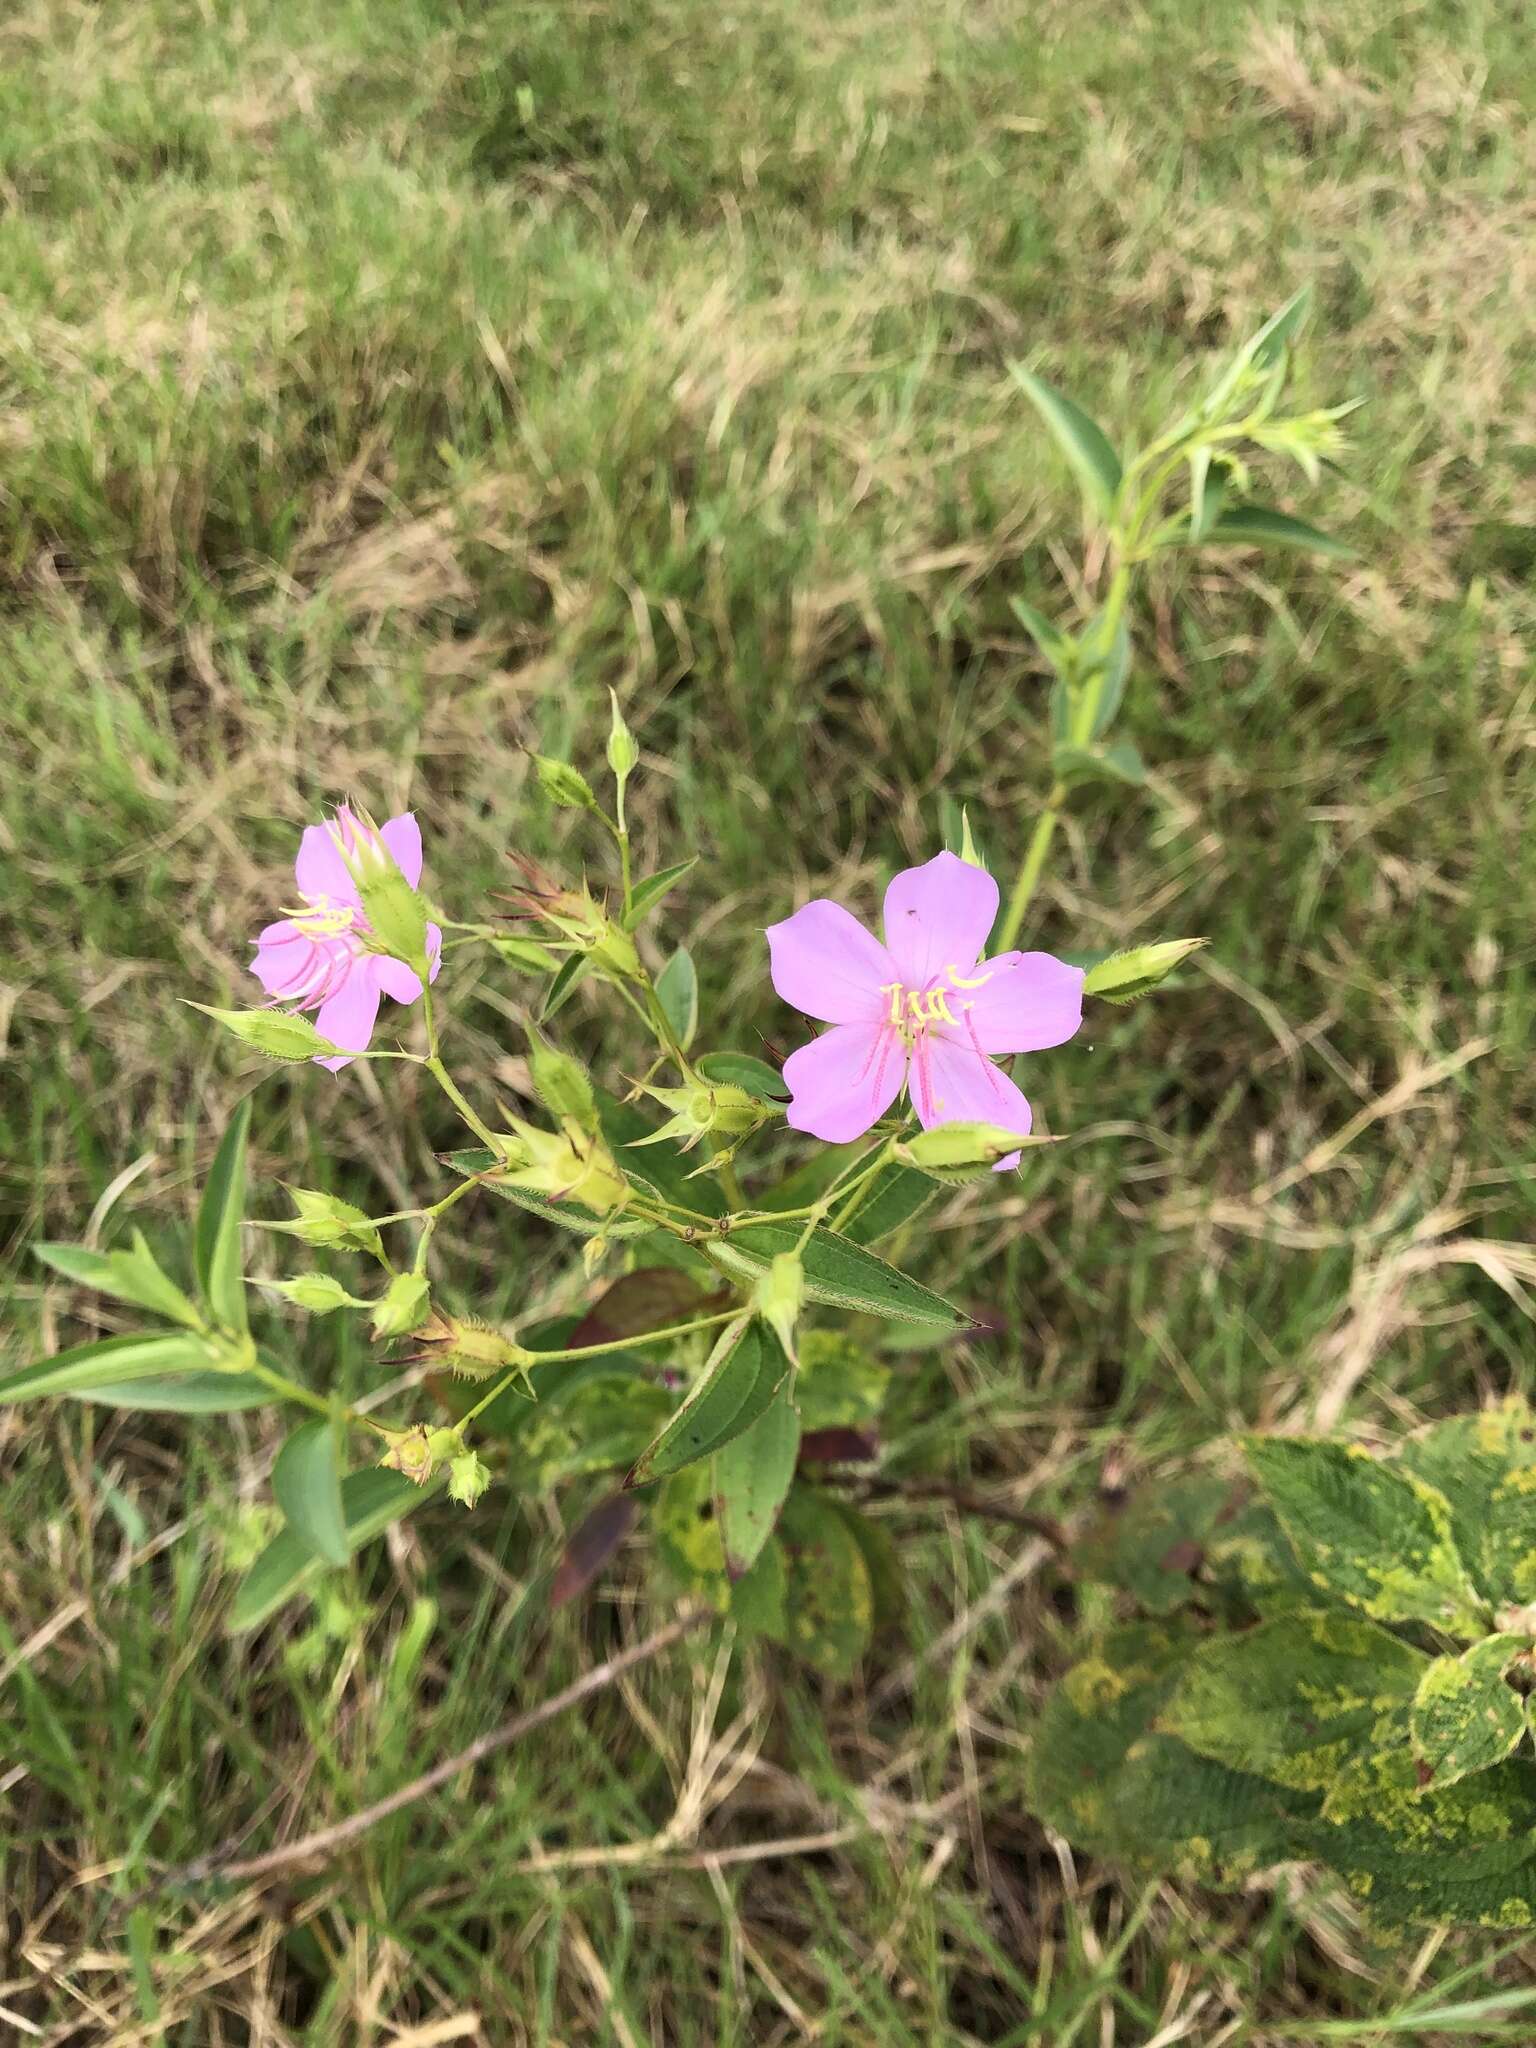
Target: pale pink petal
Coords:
[[347, 1018], [402, 836], [1026, 1002], [397, 980], [283, 966], [320, 869], [844, 1081], [824, 962], [938, 916], [951, 1083]]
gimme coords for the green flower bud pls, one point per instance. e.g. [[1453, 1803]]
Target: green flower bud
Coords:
[[401, 1306], [316, 1292], [325, 1220], [623, 753], [781, 1295], [469, 1347], [960, 1145], [562, 1086], [1125, 977], [277, 1034], [563, 784], [468, 1477]]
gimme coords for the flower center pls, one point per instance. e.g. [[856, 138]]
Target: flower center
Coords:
[[320, 918], [914, 1010]]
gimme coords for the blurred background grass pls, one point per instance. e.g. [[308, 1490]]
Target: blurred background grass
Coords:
[[378, 386]]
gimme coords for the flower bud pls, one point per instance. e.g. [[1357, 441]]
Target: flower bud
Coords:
[[562, 1086], [401, 1306], [623, 753], [421, 1453], [780, 1296], [276, 1034], [563, 784], [571, 1165], [468, 1477], [325, 1220], [957, 1146], [316, 1292], [721, 1110], [469, 1347]]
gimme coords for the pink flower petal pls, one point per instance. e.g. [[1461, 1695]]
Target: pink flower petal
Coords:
[[951, 1083], [938, 916], [1026, 1002], [825, 963], [402, 836], [284, 965], [320, 869], [397, 980], [844, 1081], [347, 1018]]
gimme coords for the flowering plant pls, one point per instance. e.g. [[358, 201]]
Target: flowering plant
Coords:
[[721, 1370]]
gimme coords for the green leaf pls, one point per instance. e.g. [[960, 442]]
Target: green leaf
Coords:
[[1369, 1532], [370, 1501], [1274, 337], [1127, 977], [687, 1532], [647, 894], [1119, 763], [1209, 482], [897, 1195], [479, 1162], [757, 1599], [677, 991], [1100, 1774], [306, 1482], [127, 1276], [838, 1272], [839, 1384], [1153, 1544], [1262, 526], [1113, 672], [1080, 439], [193, 1393], [739, 1380], [601, 1425], [112, 1362], [1294, 1698], [882, 1561], [829, 1601], [563, 987], [743, 1070], [1485, 1465], [217, 1248], [1060, 649], [752, 1476], [1465, 1718]]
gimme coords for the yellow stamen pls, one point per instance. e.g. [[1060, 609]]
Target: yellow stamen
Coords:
[[959, 980]]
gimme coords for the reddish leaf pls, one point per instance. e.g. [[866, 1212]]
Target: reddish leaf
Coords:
[[591, 1543], [648, 1300], [840, 1445]]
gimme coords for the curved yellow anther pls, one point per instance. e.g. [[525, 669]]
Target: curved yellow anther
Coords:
[[959, 980]]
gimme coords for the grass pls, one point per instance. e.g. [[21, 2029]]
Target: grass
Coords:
[[378, 386]]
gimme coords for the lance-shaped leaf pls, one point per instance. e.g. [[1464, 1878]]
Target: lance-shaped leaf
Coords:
[[1465, 1717], [306, 1482], [898, 1194], [752, 1476], [1369, 1532], [563, 987], [838, 1272], [1119, 763], [745, 1071], [648, 893], [216, 1245], [126, 1275], [1263, 526], [113, 1362], [192, 1393], [370, 1502], [1081, 440], [739, 1380], [677, 991]]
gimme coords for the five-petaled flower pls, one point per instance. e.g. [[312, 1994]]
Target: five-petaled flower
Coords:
[[323, 955], [924, 1009]]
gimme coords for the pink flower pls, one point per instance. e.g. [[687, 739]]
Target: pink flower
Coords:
[[318, 957], [924, 1009]]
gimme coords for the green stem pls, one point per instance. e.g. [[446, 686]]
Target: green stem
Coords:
[[597, 1351], [290, 1390]]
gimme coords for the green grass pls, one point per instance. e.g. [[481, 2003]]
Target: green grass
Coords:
[[378, 386]]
